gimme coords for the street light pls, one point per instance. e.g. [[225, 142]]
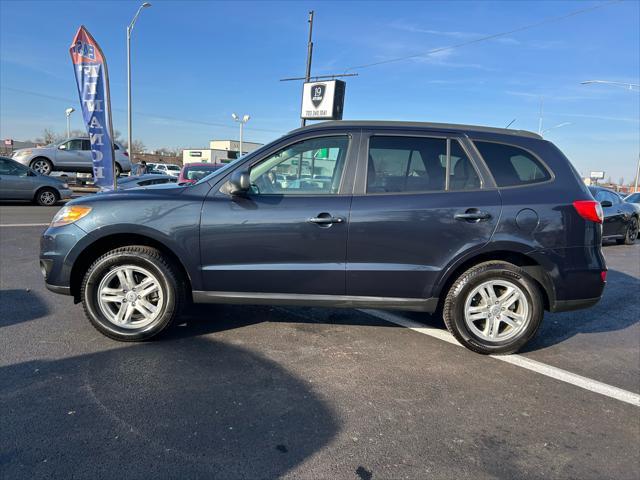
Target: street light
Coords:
[[629, 86], [68, 113], [129, 30], [241, 121]]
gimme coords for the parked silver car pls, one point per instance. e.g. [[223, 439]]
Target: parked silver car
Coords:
[[72, 155], [18, 182]]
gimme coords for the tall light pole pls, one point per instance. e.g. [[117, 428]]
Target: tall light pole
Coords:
[[241, 121], [129, 30], [631, 87], [68, 113]]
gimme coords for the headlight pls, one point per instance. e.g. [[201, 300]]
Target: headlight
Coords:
[[69, 214], [65, 185], [23, 153]]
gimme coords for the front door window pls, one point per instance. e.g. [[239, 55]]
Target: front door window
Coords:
[[310, 167]]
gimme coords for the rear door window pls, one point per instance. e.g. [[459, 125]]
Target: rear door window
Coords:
[[511, 165], [418, 164], [406, 164]]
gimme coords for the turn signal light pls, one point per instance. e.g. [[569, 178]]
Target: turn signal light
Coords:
[[69, 214], [589, 210]]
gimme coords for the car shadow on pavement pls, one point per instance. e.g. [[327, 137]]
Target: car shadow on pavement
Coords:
[[182, 407], [617, 310], [17, 306]]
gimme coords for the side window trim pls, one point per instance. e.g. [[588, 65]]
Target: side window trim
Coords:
[[360, 185], [552, 175]]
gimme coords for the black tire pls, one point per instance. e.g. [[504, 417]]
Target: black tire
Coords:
[[46, 197], [41, 165], [118, 170], [632, 232], [454, 305], [150, 259]]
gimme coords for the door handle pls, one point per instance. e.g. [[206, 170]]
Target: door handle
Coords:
[[325, 219], [473, 215]]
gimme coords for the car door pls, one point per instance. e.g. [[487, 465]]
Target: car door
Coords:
[[283, 237], [420, 202], [69, 155], [15, 181]]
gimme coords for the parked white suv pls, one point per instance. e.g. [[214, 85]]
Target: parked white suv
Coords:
[[71, 155], [166, 168]]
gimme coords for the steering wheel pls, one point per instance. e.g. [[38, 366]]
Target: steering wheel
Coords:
[[264, 185]]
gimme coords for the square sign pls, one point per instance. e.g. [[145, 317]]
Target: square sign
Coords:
[[323, 100], [597, 175]]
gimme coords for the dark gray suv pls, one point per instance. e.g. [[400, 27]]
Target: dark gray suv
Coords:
[[489, 227]]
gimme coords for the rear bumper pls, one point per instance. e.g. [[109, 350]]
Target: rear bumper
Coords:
[[568, 305], [572, 276]]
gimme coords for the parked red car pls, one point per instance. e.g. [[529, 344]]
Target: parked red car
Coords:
[[192, 172]]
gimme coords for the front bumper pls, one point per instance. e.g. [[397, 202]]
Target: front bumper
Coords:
[[65, 193], [56, 259]]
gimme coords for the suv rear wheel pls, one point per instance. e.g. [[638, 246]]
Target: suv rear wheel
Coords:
[[42, 165], [132, 293], [493, 308]]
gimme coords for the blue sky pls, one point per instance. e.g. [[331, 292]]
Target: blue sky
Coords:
[[197, 62]]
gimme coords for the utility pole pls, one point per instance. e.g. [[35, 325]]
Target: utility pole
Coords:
[[635, 183], [307, 77]]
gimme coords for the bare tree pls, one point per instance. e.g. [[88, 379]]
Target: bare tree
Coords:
[[48, 137]]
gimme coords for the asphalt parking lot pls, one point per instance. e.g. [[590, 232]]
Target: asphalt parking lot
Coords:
[[260, 392]]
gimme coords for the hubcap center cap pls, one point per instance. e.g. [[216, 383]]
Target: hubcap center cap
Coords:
[[131, 296], [495, 310]]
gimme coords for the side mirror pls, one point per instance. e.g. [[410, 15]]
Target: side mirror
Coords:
[[239, 183], [606, 203], [62, 147]]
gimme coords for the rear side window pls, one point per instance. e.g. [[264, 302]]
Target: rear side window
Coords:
[[418, 164], [406, 164], [510, 165]]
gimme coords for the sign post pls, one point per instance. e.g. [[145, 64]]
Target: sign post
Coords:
[[92, 79]]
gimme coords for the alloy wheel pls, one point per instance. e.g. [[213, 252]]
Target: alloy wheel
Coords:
[[42, 166], [496, 310], [130, 297], [47, 198]]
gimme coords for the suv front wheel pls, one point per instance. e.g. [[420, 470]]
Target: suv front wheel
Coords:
[[493, 308], [132, 293]]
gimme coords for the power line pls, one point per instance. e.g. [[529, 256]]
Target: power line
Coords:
[[487, 37], [148, 115]]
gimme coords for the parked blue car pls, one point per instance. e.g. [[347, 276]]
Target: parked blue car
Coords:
[[487, 226]]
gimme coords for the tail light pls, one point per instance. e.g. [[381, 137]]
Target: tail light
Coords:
[[589, 210], [126, 154], [603, 276]]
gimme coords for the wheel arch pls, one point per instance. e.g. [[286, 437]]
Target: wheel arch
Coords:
[[41, 157], [46, 187], [534, 269], [109, 242]]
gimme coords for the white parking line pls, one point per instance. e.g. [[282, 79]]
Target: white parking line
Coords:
[[518, 360], [24, 225]]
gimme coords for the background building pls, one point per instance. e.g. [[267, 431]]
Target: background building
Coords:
[[219, 151]]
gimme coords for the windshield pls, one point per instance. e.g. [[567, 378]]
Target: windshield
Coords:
[[173, 167]]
